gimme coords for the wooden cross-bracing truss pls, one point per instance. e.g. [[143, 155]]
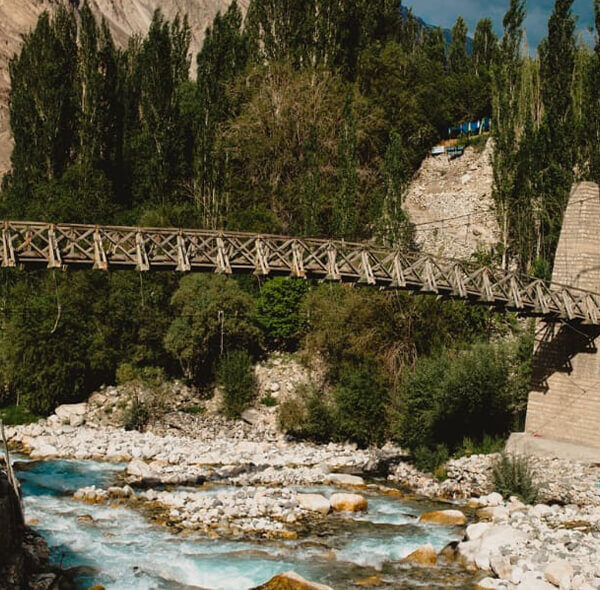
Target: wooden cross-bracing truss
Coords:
[[32, 244]]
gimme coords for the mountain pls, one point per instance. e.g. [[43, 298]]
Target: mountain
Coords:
[[446, 32], [125, 17]]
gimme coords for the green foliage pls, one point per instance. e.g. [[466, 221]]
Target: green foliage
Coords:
[[360, 403], [279, 310], [488, 445], [452, 396], [514, 476], [137, 415], [148, 376], [268, 400], [209, 310], [431, 459], [309, 415], [15, 415], [236, 377]]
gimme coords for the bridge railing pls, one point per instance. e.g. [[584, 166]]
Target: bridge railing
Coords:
[[38, 244]]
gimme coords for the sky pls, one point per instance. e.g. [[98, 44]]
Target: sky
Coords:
[[443, 13]]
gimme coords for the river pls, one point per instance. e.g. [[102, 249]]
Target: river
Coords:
[[119, 548]]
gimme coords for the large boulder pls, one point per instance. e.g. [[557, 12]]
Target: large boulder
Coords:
[[291, 581], [314, 503], [348, 502], [425, 555], [343, 479], [445, 517], [72, 414], [479, 550]]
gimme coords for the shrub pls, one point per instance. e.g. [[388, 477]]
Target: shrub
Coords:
[[14, 415], [487, 446], [137, 416], [514, 476], [236, 377], [278, 311], [448, 398], [269, 401], [360, 403], [431, 460], [308, 415]]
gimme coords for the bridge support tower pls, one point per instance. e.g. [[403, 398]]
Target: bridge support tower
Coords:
[[564, 403]]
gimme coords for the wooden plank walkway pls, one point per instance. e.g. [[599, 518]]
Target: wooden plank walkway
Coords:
[[39, 244]]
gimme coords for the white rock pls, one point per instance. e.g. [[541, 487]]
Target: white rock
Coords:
[[494, 499], [560, 574], [314, 502], [531, 581], [474, 531], [343, 479]]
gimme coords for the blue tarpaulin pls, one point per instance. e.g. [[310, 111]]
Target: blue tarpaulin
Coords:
[[481, 126]]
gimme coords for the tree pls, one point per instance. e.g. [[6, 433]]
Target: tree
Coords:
[[213, 316], [345, 204], [43, 109], [458, 59], [278, 310], [485, 43], [557, 131]]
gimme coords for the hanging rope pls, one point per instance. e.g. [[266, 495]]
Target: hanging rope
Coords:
[[142, 291], [58, 305]]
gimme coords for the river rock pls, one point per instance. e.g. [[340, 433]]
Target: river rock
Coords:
[[343, 479], [488, 584], [559, 573], [68, 412], [348, 502], [445, 517], [425, 555], [291, 581], [314, 503]]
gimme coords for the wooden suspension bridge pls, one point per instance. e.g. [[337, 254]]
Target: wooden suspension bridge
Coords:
[[60, 246]]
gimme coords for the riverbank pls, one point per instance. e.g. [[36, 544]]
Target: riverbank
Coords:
[[237, 481]]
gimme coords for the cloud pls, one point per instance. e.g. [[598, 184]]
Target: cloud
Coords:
[[444, 13]]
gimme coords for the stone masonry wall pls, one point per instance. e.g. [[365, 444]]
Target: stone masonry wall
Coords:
[[565, 401]]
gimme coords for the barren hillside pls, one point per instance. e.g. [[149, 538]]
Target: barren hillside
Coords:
[[125, 17], [460, 193]]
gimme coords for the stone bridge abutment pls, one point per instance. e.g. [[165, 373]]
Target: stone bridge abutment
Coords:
[[564, 403]]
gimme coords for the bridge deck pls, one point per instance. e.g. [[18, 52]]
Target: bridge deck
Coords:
[[38, 244]]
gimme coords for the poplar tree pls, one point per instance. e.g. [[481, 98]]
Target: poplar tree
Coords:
[[506, 127], [345, 203], [223, 56], [43, 110], [557, 132], [458, 60]]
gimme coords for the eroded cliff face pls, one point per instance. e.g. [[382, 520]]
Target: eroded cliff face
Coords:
[[125, 17]]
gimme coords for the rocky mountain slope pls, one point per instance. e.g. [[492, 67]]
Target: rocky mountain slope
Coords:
[[459, 192], [125, 17]]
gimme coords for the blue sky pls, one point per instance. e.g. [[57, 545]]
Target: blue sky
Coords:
[[444, 13]]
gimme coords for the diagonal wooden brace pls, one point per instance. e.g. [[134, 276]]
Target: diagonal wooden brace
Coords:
[[366, 270], [260, 261], [100, 260], [297, 261], [8, 252], [183, 262], [223, 265], [54, 259], [143, 265], [333, 272]]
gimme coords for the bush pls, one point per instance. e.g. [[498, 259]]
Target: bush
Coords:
[[137, 416], [448, 398], [278, 311], [360, 402], [207, 307], [15, 415], [308, 415], [236, 377], [430, 460], [269, 401], [514, 476], [487, 446]]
